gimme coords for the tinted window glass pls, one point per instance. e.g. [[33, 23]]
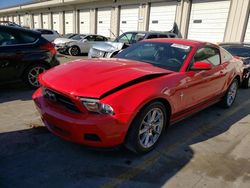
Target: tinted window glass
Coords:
[[239, 51], [125, 38], [163, 36], [226, 56], [100, 38], [91, 38], [166, 55], [209, 55], [78, 37], [45, 32], [7, 39], [151, 36]]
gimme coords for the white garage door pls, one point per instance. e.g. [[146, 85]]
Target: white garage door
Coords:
[[103, 21], [162, 16], [55, 22], [21, 20], [247, 35], [84, 19], [36, 20], [68, 22], [129, 18], [208, 20], [46, 21]]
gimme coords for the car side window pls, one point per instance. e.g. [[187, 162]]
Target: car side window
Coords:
[[100, 38], [91, 38], [45, 32], [163, 36], [152, 36], [125, 38], [226, 56], [8, 39], [209, 55]]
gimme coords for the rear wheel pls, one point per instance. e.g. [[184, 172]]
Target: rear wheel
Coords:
[[230, 95], [31, 74], [147, 128], [74, 51]]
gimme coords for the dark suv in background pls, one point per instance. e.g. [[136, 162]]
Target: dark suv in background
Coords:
[[24, 54]]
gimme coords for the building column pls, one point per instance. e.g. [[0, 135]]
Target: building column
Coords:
[[182, 17], [237, 21], [115, 21], [93, 21], [31, 21], [40, 20], [50, 21], [143, 19], [61, 23], [75, 21]]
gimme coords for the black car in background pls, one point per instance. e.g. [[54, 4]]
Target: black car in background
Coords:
[[242, 51], [24, 54]]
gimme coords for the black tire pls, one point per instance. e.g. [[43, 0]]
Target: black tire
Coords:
[[32, 81], [246, 82], [229, 97], [133, 139], [74, 50]]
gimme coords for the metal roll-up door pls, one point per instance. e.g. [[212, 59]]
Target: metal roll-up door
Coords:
[[68, 22], [129, 18], [84, 19], [46, 21], [247, 35], [208, 20], [104, 21], [162, 16], [36, 20], [55, 22]]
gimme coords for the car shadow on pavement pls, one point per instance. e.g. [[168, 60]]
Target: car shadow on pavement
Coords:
[[35, 157], [15, 91]]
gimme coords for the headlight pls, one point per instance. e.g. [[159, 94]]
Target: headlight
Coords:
[[94, 105]]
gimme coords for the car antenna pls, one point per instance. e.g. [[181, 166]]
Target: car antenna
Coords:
[[112, 33], [125, 36]]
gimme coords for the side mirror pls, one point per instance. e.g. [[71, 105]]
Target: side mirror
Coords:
[[201, 66], [84, 40]]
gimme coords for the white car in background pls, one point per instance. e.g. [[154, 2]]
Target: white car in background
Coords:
[[80, 43], [48, 34]]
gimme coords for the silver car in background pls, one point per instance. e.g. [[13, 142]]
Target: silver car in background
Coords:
[[109, 49], [78, 44]]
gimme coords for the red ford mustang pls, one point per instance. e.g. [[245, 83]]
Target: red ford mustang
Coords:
[[132, 98]]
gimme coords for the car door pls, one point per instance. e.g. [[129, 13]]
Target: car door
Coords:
[[14, 46], [204, 85]]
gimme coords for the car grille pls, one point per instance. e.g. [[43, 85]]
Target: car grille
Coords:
[[58, 98]]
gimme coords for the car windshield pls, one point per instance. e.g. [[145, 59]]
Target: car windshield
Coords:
[[130, 38], [78, 37], [238, 51], [170, 56]]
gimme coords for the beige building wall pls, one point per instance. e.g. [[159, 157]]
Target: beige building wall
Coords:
[[237, 21]]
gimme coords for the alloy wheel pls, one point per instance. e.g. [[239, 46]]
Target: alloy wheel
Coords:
[[33, 75], [151, 127], [232, 93]]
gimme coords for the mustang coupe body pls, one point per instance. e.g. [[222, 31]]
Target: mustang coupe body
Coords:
[[131, 98]]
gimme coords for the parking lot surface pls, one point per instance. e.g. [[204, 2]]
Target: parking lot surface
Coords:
[[209, 149]]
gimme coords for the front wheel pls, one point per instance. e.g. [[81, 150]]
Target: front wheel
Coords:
[[31, 74], [147, 128], [230, 95], [74, 51]]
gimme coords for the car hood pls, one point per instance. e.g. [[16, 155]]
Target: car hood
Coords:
[[108, 46], [95, 78], [62, 40]]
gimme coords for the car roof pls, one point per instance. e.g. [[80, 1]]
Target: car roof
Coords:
[[18, 29], [150, 32], [192, 43]]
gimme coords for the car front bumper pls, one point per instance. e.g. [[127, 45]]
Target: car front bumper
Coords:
[[96, 130]]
